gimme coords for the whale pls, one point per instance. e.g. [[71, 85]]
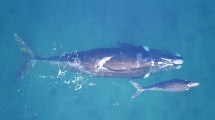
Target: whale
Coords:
[[174, 85], [128, 61]]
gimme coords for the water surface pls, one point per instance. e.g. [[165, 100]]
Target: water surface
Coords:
[[55, 27]]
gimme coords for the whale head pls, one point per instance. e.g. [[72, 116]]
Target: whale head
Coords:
[[163, 60]]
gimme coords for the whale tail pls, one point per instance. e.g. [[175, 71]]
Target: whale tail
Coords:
[[139, 89], [28, 57]]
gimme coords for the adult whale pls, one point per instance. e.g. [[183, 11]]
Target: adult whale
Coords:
[[125, 61]]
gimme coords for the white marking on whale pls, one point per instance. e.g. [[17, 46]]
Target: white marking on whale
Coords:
[[178, 62], [100, 63], [147, 75], [146, 48], [152, 63], [178, 55], [169, 60]]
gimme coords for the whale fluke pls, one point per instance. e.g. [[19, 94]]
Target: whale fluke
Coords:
[[28, 57], [138, 87]]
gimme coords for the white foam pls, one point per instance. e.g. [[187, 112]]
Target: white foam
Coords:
[[67, 82], [42, 76], [78, 87], [92, 84], [61, 73]]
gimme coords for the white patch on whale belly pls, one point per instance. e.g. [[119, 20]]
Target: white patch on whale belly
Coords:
[[100, 63]]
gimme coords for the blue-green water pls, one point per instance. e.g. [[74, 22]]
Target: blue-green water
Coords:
[[55, 27]]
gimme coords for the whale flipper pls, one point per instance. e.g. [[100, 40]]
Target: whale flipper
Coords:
[[28, 57]]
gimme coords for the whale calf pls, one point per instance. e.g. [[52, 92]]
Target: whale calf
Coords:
[[168, 86], [125, 61]]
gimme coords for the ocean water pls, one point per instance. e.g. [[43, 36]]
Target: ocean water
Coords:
[[52, 28]]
